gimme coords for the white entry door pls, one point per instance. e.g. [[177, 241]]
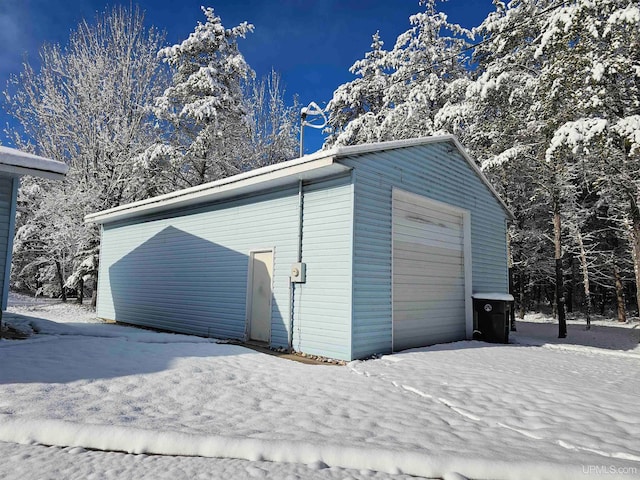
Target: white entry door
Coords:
[[429, 294], [259, 295]]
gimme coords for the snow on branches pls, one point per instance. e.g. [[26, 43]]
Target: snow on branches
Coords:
[[550, 108], [399, 92], [208, 69], [203, 115]]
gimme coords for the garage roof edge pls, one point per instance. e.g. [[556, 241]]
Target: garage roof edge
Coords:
[[323, 162], [280, 174], [411, 142]]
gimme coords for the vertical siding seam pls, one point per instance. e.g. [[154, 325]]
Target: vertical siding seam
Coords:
[[507, 250], [393, 234], [98, 282], [247, 305], [468, 273], [272, 301], [298, 287], [15, 184], [352, 263]]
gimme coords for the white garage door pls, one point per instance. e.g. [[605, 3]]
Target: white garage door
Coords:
[[428, 272]]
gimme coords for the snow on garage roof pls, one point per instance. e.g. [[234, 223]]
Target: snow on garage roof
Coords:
[[317, 165], [17, 162]]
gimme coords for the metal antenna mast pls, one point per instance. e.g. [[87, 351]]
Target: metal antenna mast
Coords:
[[310, 110]]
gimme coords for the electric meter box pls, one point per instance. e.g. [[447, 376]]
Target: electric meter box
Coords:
[[298, 272]]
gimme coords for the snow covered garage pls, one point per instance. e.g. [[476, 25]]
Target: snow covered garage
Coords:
[[13, 164], [343, 253]]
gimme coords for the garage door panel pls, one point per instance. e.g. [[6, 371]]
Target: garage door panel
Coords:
[[428, 215], [430, 276], [438, 312], [406, 208], [405, 261], [417, 338], [410, 229], [426, 243], [445, 295], [428, 272], [439, 270], [419, 251], [417, 285], [443, 324], [431, 304]]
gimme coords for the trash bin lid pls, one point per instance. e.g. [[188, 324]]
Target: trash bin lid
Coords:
[[503, 297]]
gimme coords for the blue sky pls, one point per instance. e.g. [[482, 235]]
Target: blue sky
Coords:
[[312, 43]]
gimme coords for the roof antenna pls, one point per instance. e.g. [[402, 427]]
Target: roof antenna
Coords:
[[310, 110]]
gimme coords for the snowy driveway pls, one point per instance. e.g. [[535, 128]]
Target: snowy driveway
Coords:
[[484, 411]]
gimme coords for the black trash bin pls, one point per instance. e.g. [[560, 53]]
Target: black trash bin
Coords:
[[491, 316]]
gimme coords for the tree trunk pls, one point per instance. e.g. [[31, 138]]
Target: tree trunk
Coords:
[[94, 294], [81, 291], [635, 251], [61, 281], [522, 295], [584, 267], [512, 312], [570, 286], [559, 300], [622, 316]]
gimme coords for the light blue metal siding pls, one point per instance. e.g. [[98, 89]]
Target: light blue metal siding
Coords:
[[322, 324], [188, 272], [8, 192], [436, 171]]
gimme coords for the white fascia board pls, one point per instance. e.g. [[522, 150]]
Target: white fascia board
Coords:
[[254, 181], [17, 162], [392, 145]]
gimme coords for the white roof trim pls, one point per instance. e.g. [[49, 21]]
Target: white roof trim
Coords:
[[278, 175], [392, 145], [318, 164], [17, 162]]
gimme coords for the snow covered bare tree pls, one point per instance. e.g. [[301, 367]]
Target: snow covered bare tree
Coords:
[[274, 125], [87, 106]]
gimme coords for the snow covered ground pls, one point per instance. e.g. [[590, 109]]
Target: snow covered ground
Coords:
[[82, 399], [607, 334]]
